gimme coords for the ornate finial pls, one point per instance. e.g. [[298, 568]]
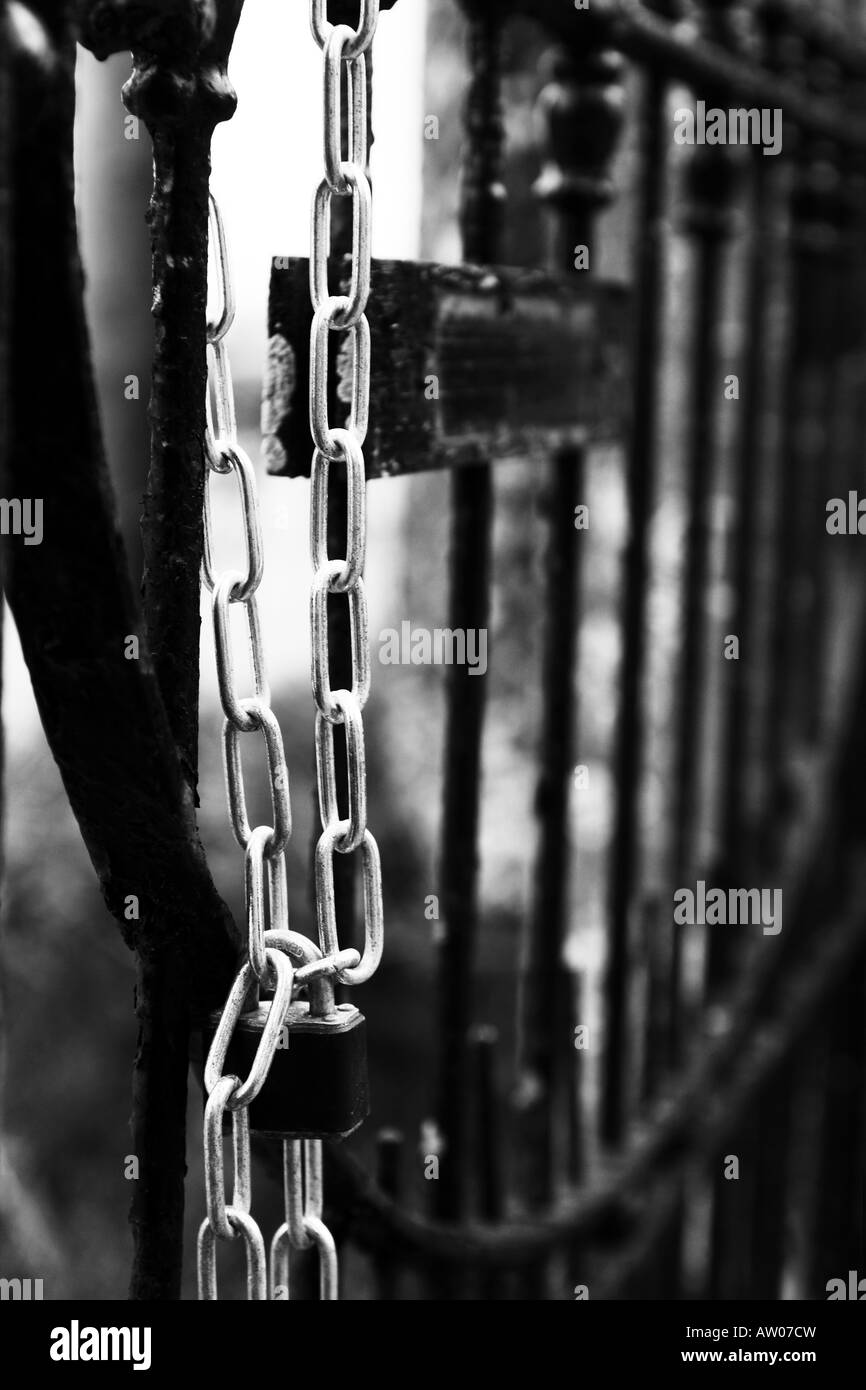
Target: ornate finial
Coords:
[[180, 51], [581, 112]]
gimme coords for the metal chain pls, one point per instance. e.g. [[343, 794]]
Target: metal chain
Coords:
[[342, 47], [264, 846], [269, 941], [303, 1226]]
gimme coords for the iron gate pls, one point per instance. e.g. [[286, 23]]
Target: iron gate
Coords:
[[602, 1171]]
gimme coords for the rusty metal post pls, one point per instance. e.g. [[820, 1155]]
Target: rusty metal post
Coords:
[[180, 89]]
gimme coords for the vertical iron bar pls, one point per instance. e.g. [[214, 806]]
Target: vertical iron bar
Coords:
[[180, 89], [749, 474], [711, 184], [575, 1081], [771, 1179], [640, 486], [725, 948], [733, 1212], [390, 1145], [785, 636], [489, 1145], [545, 978], [471, 513], [840, 1230], [655, 999], [580, 110], [694, 587], [824, 198], [488, 1121]]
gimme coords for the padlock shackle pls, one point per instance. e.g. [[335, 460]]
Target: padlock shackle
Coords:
[[301, 949]]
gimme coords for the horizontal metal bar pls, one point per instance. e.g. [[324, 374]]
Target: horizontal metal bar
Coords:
[[470, 363], [678, 50]]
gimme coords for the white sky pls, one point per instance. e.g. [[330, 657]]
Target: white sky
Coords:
[[268, 158]]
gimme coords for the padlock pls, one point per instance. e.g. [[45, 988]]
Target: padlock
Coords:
[[317, 1083]]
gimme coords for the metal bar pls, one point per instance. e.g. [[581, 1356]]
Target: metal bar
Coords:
[[180, 116], [728, 1266], [472, 505], [471, 514], [390, 1146], [725, 949], [488, 1124], [640, 485], [693, 659], [772, 1162], [711, 187], [839, 1241], [489, 1145], [544, 977], [797, 453], [579, 110], [522, 363], [656, 982], [830, 274], [739, 675], [575, 1081]]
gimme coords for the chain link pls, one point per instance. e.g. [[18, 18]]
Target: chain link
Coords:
[[362, 37], [245, 1225], [218, 1211]]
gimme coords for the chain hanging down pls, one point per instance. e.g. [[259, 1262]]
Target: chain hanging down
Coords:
[[264, 847], [342, 46], [342, 314]]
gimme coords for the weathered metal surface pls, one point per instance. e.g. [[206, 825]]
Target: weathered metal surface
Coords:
[[522, 362]]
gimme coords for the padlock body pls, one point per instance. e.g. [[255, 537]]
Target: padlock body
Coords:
[[317, 1085]]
